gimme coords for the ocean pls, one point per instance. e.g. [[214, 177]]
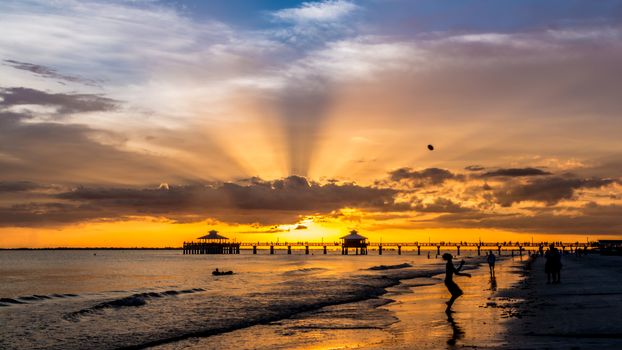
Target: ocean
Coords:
[[115, 299]]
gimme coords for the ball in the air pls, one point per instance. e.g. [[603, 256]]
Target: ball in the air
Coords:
[[431, 148]]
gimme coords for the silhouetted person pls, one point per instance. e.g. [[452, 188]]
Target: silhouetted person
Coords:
[[548, 263], [452, 287], [556, 266], [491, 263], [553, 265]]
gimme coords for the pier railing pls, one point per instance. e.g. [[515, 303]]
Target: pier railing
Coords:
[[498, 247]]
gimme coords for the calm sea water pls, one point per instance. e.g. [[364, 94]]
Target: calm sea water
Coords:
[[120, 299]]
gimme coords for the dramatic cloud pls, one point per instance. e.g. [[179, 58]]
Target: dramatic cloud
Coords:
[[549, 190], [321, 11], [68, 154], [440, 205], [18, 186], [47, 72], [515, 172], [63, 103], [262, 201], [591, 219], [418, 178]]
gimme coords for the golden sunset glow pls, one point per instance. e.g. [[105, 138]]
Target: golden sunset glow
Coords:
[[302, 124]]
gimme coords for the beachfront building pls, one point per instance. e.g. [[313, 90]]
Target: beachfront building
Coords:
[[354, 240], [212, 243]]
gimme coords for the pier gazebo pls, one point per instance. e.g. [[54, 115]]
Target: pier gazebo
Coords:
[[354, 240], [212, 243]]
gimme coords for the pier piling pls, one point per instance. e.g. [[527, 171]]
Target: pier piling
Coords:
[[361, 248]]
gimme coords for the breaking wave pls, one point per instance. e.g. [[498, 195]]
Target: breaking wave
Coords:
[[304, 271], [134, 300], [390, 267]]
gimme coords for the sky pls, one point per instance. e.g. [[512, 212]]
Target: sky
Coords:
[[148, 123]]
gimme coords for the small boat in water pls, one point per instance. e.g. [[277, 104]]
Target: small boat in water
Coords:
[[221, 273]]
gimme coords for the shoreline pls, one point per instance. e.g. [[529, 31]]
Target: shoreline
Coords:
[[479, 318], [384, 321]]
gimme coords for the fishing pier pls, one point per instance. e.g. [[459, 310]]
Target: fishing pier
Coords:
[[355, 244]]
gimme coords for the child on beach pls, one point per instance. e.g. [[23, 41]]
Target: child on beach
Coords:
[[452, 287]]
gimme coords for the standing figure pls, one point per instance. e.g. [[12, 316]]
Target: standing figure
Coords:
[[556, 266], [550, 263], [452, 287], [491, 263]]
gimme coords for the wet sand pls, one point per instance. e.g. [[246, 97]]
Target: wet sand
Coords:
[[479, 319], [410, 316], [583, 312]]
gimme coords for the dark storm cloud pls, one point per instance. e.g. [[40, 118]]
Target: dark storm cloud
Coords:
[[418, 178], [440, 205], [18, 186], [65, 103], [265, 202], [293, 193], [47, 72], [591, 219], [49, 214], [516, 172], [548, 190]]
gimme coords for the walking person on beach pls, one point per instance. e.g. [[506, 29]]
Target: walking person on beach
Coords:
[[452, 287], [491, 263]]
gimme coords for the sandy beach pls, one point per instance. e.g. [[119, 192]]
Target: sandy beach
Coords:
[[582, 312]]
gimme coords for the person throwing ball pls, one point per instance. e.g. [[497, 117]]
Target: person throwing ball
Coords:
[[452, 287]]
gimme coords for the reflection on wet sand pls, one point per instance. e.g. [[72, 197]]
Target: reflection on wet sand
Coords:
[[456, 333], [493, 284], [477, 320]]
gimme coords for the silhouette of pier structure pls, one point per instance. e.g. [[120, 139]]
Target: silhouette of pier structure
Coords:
[[355, 244], [212, 243]]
